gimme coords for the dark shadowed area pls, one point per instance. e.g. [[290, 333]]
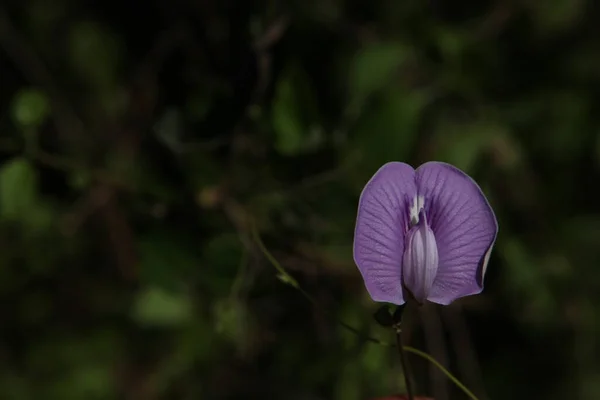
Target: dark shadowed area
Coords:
[[143, 144]]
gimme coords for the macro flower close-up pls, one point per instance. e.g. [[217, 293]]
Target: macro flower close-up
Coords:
[[425, 233], [321, 200]]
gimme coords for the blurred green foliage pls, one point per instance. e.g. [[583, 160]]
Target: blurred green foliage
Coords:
[[141, 141]]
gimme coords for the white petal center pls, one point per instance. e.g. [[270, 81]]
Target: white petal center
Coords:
[[420, 260], [415, 208]]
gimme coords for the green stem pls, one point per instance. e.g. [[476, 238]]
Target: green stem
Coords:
[[285, 277], [290, 280], [403, 360], [443, 369]]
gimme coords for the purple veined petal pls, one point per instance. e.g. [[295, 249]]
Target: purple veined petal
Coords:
[[381, 224], [465, 229]]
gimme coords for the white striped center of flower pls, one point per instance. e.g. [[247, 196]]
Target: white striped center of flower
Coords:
[[420, 259], [415, 208]]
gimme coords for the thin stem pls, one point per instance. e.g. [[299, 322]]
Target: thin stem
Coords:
[[442, 368], [401, 349], [288, 279], [409, 388]]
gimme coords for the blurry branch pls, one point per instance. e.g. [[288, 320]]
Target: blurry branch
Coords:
[[95, 198], [163, 47], [143, 89], [102, 196], [120, 236], [434, 337], [143, 92], [68, 125], [63, 164], [68, 165], [22, 54], [406, 371], [461, 343], [249, 235], [310, 182], [272, 34], [240, 279], [237, 216], [348, 120], [495, 20], [262, 46]]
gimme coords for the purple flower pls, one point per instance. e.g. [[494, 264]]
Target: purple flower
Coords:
[[429, 231]]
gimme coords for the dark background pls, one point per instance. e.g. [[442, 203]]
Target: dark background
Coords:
[[141, 142]]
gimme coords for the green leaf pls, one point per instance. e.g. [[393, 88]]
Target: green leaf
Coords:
[[373, 365], [463, 144], [80, 179], [349, 383], [18, 189], [554, 16], [528, 284], [388, 130], [169, 130], [372, 68], [157, 307], [230, 318], [94, 53], [223, 253], [16, 386], [166, 260], [81, 365], [294, 114], [451, 43], [30, 108], [198, 105]]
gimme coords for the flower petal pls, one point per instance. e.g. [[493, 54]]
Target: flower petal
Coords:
[[465, 229], [381, 224], [420, 262]]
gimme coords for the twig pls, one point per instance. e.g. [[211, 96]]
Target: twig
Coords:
[[434, 337], [465, 354], [121, 237], [262, 45], [405, 371]]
